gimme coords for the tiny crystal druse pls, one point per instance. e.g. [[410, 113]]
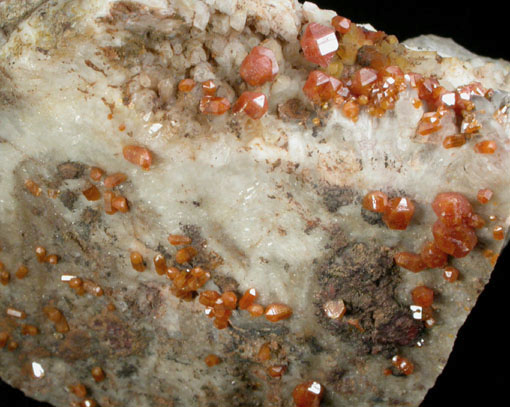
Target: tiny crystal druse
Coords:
[[244, 203]]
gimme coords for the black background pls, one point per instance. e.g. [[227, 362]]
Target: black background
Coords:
[[478, 369]]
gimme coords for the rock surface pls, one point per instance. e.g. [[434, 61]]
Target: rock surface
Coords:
[[273, 204]]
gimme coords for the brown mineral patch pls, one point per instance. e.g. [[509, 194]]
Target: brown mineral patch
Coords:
[[335, 197], [365, 278], [70, 170], [75, 346]]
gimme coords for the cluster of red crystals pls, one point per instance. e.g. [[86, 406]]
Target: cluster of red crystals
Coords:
[[375, 201], [431, 121], [319, 44], [321, 88], [253, 104], [403, 365], [453, 231], [259, 66], [398, 213], [137, 155], [218, 306], [42, 257], [187, 282], [422, 296], [308, 394]]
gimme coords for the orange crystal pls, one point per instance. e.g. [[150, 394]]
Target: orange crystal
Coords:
[[138, 155], [308, 394], [451, 274], [277, 312], [254, 104], [320, 87], [410, 261], [457, 241], [486, 147], [319, 44], [248, 298], [398, 213], [452, 208], [454, 141], [423, 296], [341, 24], [484, 195], [186, 85], [259, 66], [363, 81], [375, 201], [214, 105], [432, 256], [403, 365]]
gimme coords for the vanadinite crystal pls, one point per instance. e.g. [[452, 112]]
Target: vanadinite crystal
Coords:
[[253, 104], [398, 213], [319, 44], [320, 87], [308, 394], [259, 66], [457, 241]]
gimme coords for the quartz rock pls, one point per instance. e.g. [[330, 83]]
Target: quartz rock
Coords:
[[132, 299]]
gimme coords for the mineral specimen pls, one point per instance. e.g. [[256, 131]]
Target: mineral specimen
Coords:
[[242, 203]]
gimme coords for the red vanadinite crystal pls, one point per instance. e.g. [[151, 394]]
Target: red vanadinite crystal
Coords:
[[454, 141], [186, 85], [451, 274], [277, 312], [138, 155], [452, 208], [259, 66], [404, 365], [363, 81], [432, 256], [423, 296], [214, 105], [410, 261], [248, 298], [308, 394], [320, 87], [375, 201], [486, 147], [254, 104], [209, 88], [341, 24], [398, 213], [319, 44], [484, 195], [457, 241], [498, 233]]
